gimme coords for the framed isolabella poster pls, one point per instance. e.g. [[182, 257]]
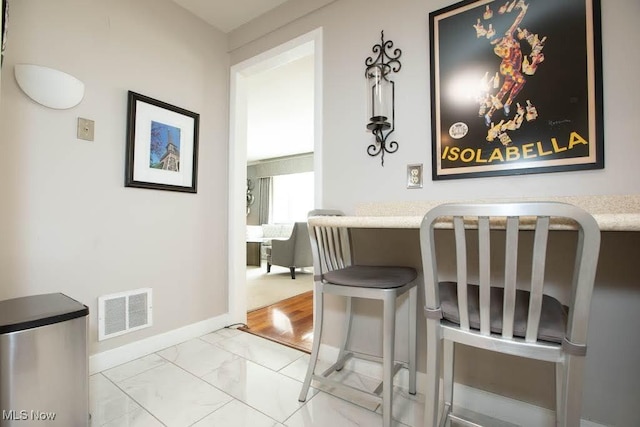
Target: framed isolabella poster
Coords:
[[516, 87]]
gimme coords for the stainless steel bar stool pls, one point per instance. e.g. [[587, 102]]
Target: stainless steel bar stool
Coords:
[[335, 274], [502, 317]]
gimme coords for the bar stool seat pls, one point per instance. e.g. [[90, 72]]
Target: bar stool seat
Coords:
[[334, 274], [366, 276]]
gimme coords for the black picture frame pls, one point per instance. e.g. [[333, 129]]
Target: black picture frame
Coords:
[[516, 88], [162, 145], [4, 30]]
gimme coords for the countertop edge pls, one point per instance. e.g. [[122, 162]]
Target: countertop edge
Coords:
[[613, 212]]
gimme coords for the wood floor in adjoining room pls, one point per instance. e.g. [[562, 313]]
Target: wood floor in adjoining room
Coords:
[[288, 322]]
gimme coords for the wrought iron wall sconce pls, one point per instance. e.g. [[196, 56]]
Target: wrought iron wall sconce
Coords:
[[381, 95]]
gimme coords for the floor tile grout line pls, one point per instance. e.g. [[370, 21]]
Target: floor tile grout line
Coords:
[[231, 352], [272, 370], [247, 404], [301, 406], [133, 399], [289, 364], [211, 413], [136, 374], [201, 379], [260, 364], [182, 369], [232, 397], [206, 382]]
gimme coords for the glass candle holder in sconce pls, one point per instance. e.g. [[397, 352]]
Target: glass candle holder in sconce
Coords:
[[381, 96]]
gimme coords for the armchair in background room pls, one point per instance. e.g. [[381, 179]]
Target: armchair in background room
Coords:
[[294, 252]]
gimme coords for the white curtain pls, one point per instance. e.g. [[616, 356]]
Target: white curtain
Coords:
[[264, 187], [291, 197]]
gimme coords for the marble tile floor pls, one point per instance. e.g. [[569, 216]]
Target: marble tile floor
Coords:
[[233, 379]]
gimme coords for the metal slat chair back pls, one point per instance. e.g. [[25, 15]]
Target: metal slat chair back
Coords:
[[506, 333], [513, 218], [330, 246], [511, 257]]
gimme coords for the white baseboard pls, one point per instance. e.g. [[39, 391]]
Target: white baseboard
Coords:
[[126, 353], [500, 407]]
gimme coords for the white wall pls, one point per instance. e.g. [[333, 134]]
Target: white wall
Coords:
[[280, 110], [67, 222], [351, 27]]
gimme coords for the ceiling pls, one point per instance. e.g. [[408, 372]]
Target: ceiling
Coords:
[[227, 15]]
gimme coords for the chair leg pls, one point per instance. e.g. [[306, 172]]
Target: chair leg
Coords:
[[432, 392], [293, 272], [448, 363], [413, 324], [318, 309], [346, 334], [561, 408], [388, 355], [574, 369]]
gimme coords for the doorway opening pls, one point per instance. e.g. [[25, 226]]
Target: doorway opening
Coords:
[[263, 98]]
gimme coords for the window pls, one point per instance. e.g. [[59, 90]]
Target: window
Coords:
[[292, 197]]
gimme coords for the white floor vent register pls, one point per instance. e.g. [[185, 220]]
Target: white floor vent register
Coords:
[[124, 312]]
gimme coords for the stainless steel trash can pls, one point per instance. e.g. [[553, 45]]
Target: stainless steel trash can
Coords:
[[44, 372]]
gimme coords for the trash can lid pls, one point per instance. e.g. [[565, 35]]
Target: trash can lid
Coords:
[[34, 311]]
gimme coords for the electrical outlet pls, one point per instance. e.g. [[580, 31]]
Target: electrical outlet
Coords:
[[85, 129], [414, 176]]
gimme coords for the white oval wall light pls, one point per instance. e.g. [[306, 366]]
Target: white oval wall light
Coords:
[[49, 87]]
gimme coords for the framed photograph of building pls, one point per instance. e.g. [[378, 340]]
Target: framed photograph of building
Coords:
[[162, 145], [516, 87]]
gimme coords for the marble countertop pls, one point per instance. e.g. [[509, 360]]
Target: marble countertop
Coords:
[[612, 212]]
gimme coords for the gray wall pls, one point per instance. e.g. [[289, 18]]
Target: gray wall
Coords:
[[67, 222]]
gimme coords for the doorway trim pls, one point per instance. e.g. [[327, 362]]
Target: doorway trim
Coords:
[[237, 221]]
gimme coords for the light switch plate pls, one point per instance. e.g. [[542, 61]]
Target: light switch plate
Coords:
[[414, 176], [85, 129]]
